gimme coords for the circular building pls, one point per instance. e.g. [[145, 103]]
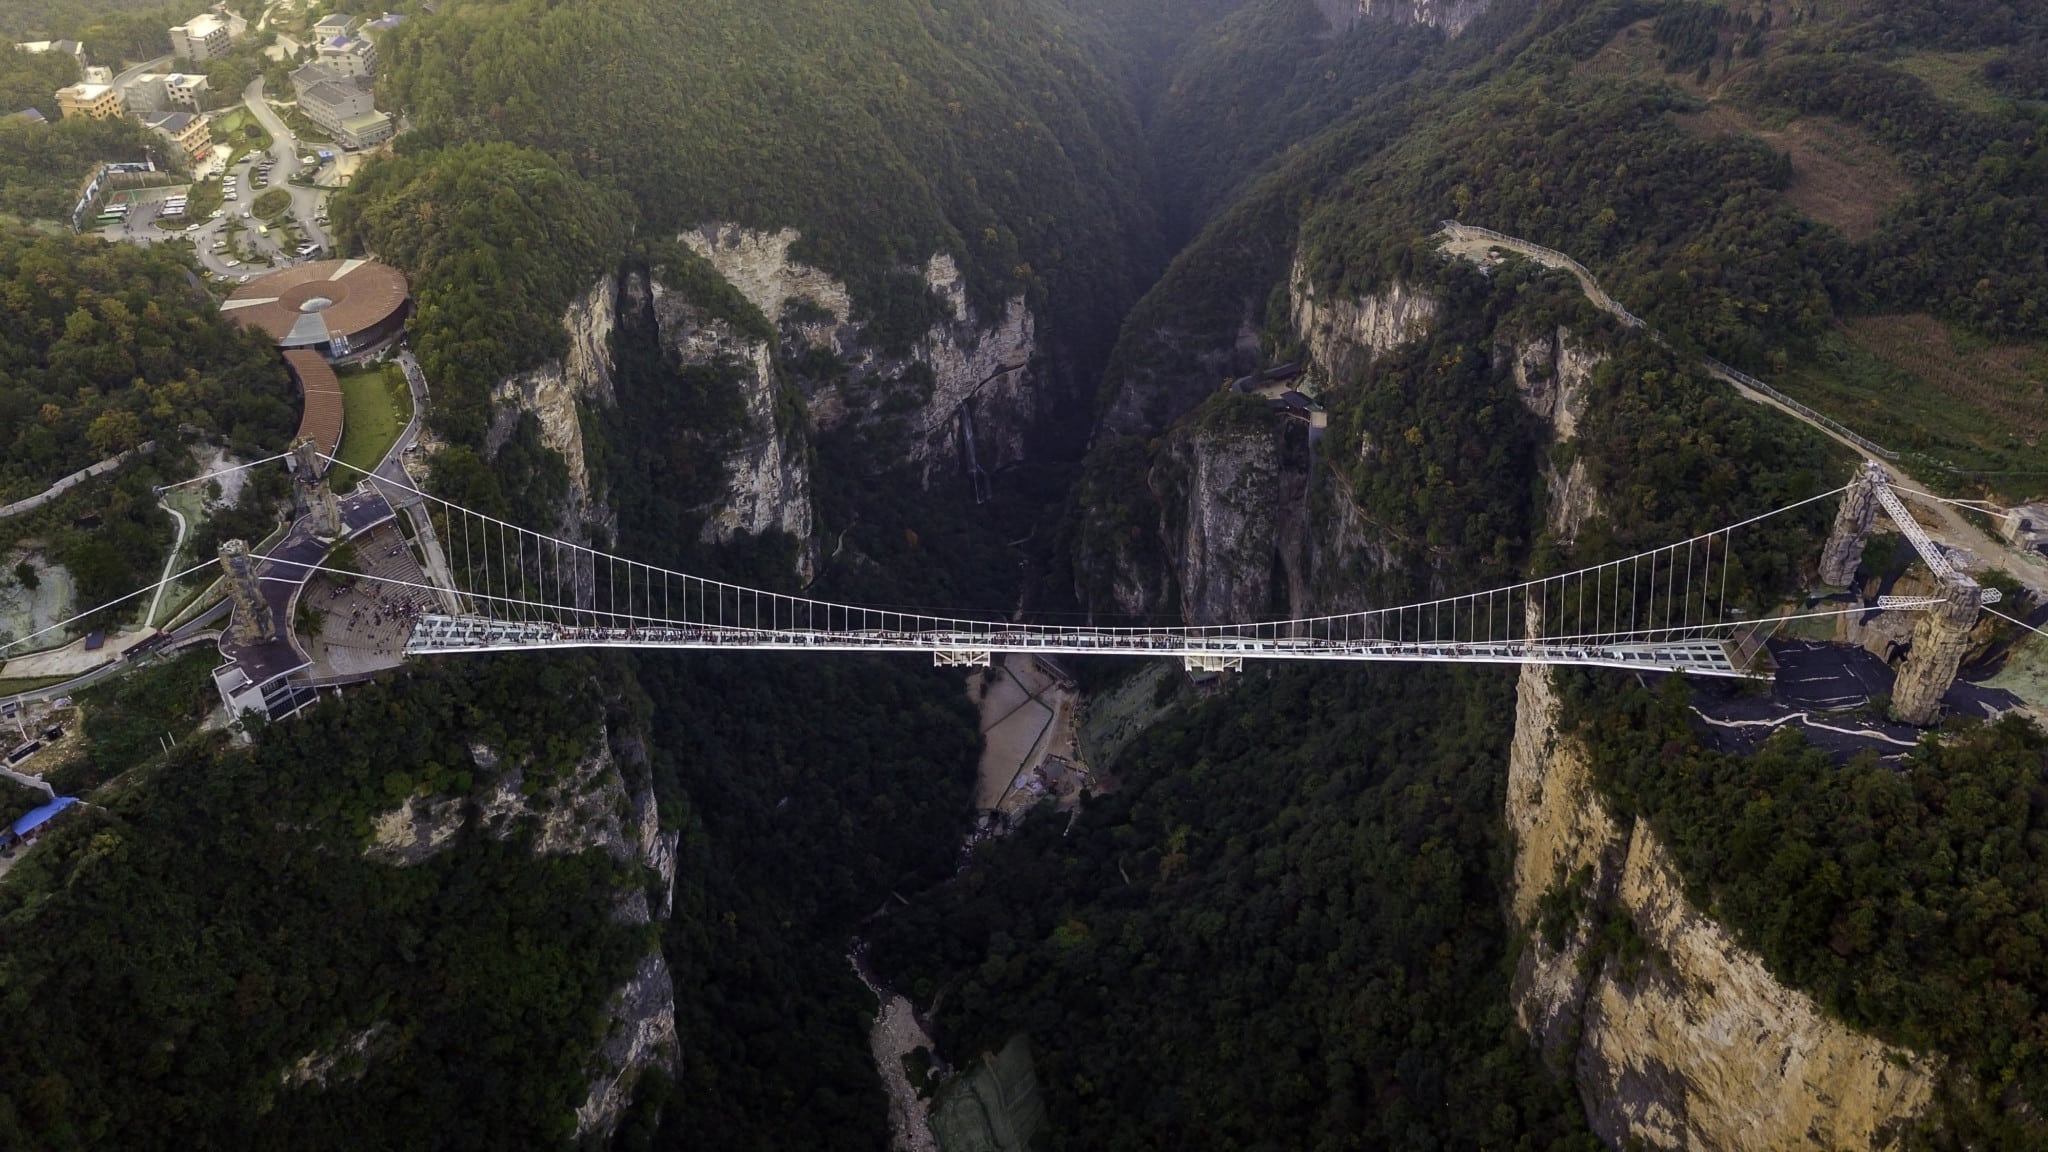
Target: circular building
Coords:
[[334, 307]]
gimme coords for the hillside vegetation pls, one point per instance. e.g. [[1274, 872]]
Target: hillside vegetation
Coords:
[[497, 240], [1282, 929], [884, 132], [103, 346], [181, 949]]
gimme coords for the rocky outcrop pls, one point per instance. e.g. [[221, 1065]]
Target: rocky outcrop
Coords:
[[343, 1062], [604, 802], [553, 391], [1553, 375], [1697, 1046], [1843, 552], [1449, 15], [415, 831], [961, 358], [1221, 490], [1344, 335], [767, 461], [642, 1035], [1347, 554], [1941, 638]]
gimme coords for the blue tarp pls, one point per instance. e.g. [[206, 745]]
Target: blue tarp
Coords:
[[41, 816]]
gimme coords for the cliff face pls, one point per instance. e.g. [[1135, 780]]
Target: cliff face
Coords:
[[965, 371], [1553, 375], [553, 391], [1449, 15], [605, 803], [1343, 336], [1223, 493], [1941, 638], [1698, 1046], [768, 475]]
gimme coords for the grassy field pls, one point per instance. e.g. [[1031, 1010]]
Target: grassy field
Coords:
[[376, 405], [271, 204], [1951, 404], [233, 129], [1955, 76]]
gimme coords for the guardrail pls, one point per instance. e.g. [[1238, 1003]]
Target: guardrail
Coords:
[[1835, 426], [1592, 284], [1552, 255]]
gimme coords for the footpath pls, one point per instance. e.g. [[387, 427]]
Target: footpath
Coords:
[[31, 503]]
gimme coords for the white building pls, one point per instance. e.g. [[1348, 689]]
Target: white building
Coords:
[[158, 91], [67, 47], [348, 55], [342, 105], [207, 36]]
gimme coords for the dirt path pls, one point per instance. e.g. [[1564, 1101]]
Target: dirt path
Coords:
[[170, 563]]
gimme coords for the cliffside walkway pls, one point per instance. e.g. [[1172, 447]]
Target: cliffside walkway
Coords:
[[1750, 387]]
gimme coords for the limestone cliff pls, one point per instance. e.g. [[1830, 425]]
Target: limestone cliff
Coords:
[[1449, 15], [1343, 335], [767, 459], [1699, 1046], [1222, 493], [1553, 374], [553, 392], [1941, 638], [965, 372]]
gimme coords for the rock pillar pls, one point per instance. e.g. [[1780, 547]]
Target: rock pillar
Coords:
[[1844, 549], [320, 502], [252, 621], [1940, 640]]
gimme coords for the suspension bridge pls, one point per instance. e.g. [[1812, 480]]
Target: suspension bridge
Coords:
[[486, 585], [517, 589]]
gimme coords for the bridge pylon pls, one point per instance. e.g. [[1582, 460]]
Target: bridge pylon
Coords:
[[1843, 552], [252, 621], [1941, 638], [311, 469]]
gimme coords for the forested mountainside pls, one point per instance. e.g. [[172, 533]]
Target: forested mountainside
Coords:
[[882, 133], [929, 305]]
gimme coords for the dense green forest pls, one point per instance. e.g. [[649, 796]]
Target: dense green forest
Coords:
[[497, 241], [104, 346], [112, 26], [177, 948], [29, 80], [1283, 925], [1282, 929], [1693, 231], [800, 821], [884, 132]]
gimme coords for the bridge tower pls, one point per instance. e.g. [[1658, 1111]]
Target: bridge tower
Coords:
[[252, 620], [1941, 638], [311, 470], [1844, 549]]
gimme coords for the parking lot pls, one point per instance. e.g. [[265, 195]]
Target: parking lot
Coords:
[[231, 243]]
